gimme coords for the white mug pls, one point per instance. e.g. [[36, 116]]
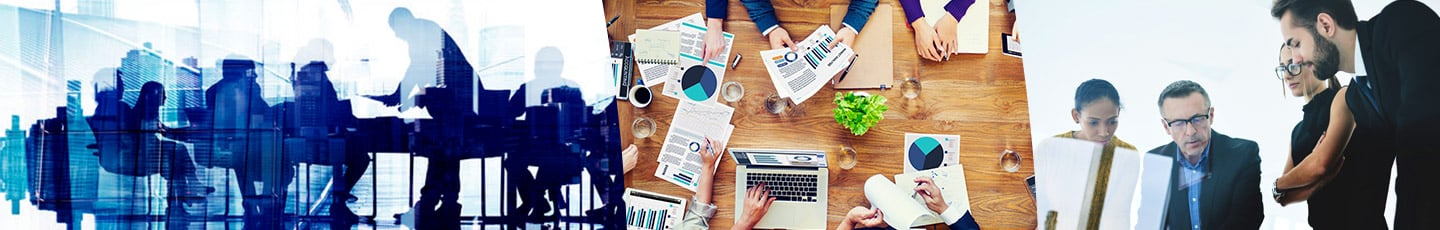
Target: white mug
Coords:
[[640, 96]]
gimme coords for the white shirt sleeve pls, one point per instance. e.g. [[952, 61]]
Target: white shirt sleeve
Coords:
[[952, 215], [767, 30]]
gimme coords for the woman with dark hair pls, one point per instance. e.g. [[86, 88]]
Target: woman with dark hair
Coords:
[[1097, 110], [176, 164], [1326, 138]]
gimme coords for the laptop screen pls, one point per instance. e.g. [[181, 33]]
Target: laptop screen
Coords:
[[784, 158]]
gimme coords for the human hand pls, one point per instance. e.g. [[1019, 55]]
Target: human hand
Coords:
[[779, 38], [945, 30], [925, 40], [709, 155], [931, 194], [861, 217], [629, 156], [846, 36], [757, 202], [714, 38]]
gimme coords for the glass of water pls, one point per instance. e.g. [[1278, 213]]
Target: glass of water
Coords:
[[642, 127], [847, 158], [1010, 160], [775, 104], [911, 87], [732, 91]]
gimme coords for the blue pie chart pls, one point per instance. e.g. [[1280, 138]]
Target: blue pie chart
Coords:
[[699, 83], [925, 153]]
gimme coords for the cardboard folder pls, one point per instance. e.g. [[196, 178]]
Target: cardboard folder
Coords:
[[875, 67]]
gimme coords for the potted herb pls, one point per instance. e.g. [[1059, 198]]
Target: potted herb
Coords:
[[859, 111]]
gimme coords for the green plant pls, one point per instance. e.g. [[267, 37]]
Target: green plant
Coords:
[[859, 112]]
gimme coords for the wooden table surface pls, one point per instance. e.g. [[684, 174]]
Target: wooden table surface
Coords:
[[979, 97]]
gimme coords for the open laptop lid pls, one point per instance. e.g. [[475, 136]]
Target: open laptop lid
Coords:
[[779, 158]]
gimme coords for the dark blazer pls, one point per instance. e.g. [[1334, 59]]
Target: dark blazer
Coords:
[[1401, 49], [763, 13], [1230, 197]]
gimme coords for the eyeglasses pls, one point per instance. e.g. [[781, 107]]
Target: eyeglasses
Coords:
[[1176, 125], [1289, 66]]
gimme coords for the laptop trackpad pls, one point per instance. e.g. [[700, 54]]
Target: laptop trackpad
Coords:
[[793, 215]]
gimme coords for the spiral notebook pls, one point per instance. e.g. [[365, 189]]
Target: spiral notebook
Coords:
[[657, 47]]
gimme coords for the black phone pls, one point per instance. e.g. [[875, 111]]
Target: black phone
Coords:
[[1008, 46], [1030, 184]]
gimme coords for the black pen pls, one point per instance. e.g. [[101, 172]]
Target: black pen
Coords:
[[612, 21]]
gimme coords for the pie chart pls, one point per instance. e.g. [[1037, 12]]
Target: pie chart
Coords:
[[699, 83], [925, 153]]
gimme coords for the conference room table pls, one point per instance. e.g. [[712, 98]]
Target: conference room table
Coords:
[[980, 97]]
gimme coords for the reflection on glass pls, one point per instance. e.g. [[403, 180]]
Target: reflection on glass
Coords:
[[733, 91], [775, 104], [1010, 160], [848, 157], [911, 87], [642, 127]]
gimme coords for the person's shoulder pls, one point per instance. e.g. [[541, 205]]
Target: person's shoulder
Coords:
[[1406, 9], [1244, 147], [1122, 144], [1403, 17]]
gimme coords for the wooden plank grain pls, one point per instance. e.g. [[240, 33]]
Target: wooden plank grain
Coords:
[[979, 97]]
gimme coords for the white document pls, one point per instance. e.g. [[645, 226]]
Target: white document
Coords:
[[798, 75], [654, 74], [901, 210], [680, 161], [692, 47], [918, 145], [1065, 180], [903, 207], [1062, 173], [972, 32], [649, 211], [1154, 191]]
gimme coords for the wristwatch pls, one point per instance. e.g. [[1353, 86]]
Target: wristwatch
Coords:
[[1275, 191]]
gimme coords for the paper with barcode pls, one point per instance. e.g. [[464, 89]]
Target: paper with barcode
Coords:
[[679, 158], [799, 75]]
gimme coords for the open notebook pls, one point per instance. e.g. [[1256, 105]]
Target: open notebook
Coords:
[[972, 30], [657, 46]]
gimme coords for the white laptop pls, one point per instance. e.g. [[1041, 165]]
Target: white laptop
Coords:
[[797, 179]]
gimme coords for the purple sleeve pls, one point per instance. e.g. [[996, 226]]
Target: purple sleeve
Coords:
[[912, 10], [957, 8]]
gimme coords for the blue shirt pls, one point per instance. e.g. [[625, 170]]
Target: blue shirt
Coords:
[[1191, 175]]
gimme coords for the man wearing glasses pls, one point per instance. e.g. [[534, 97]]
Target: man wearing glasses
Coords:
[[1216, 182], [1393, 58]]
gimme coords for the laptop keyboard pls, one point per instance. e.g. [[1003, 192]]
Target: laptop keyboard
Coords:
[[786, 187]]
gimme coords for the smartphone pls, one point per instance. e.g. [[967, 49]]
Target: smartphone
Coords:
[[1030, 184], [1009, 46]]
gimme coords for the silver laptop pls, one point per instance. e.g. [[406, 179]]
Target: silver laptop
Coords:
[[797, 179]]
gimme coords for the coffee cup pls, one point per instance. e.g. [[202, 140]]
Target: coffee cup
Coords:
[[640, 96]]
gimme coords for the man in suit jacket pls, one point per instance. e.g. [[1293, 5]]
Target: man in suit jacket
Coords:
[[1216, 182], [763, 13], [1393, 56]]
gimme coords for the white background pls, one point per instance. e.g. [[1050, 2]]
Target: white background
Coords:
[[1230, 47]]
